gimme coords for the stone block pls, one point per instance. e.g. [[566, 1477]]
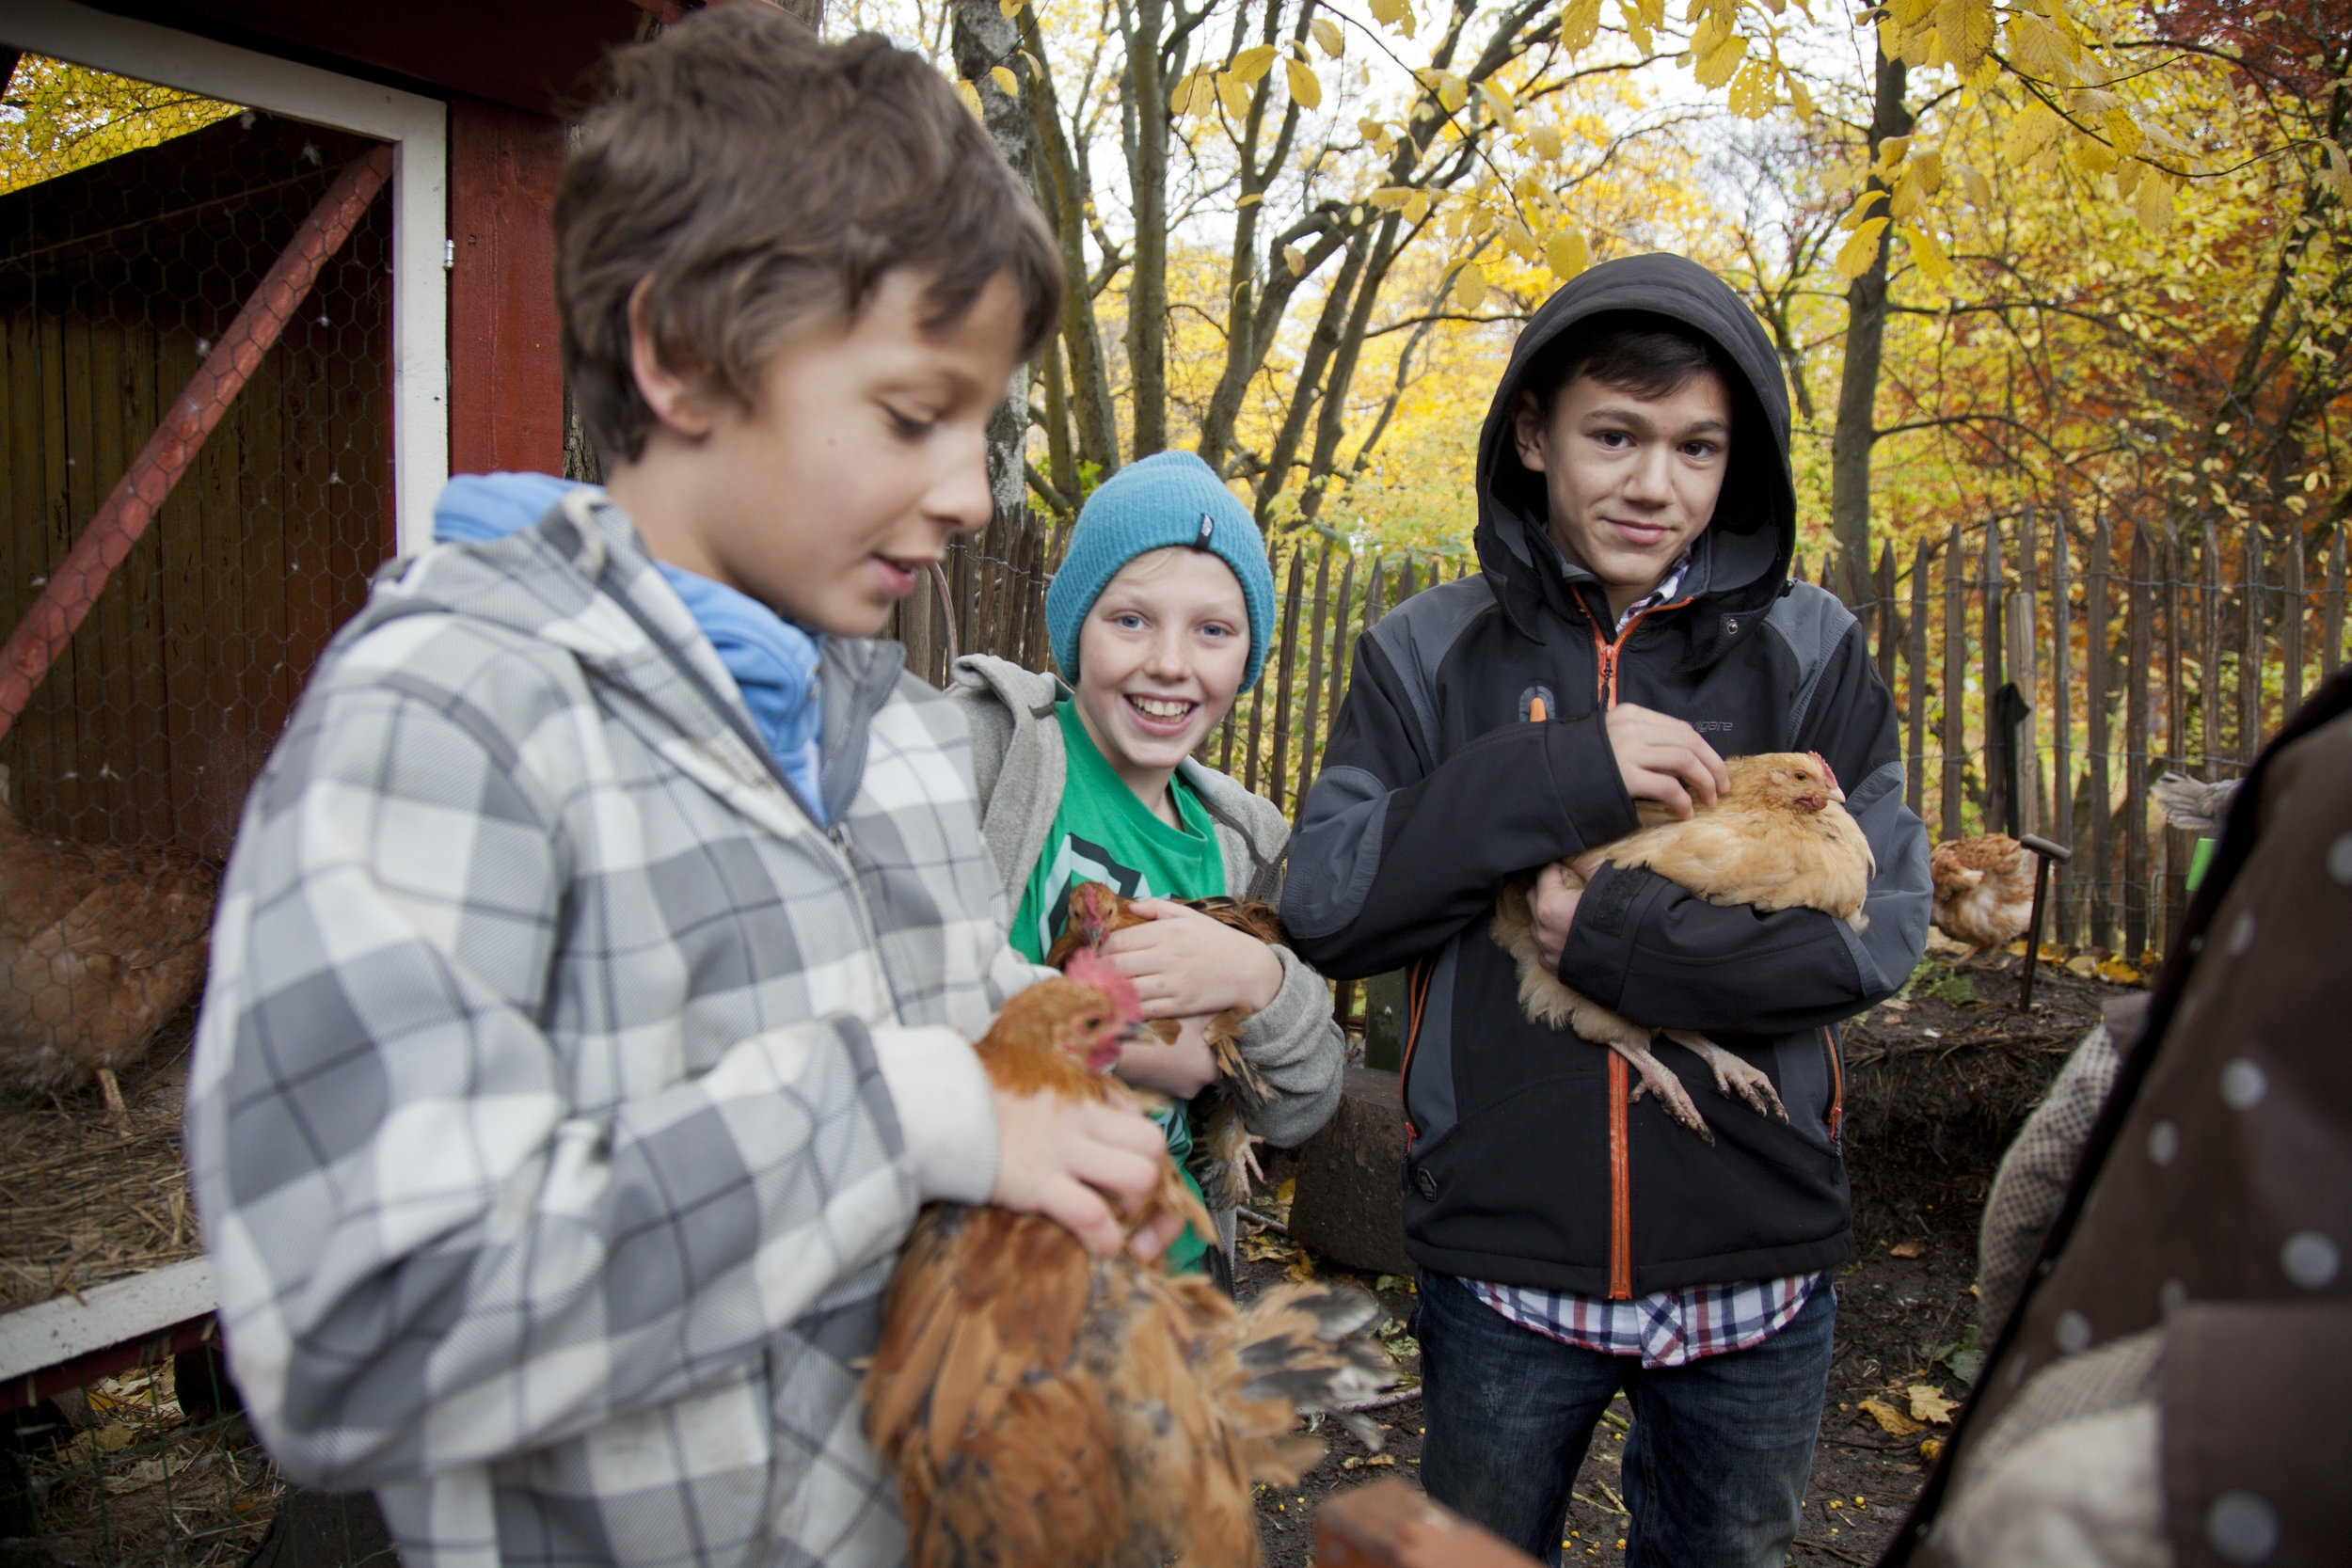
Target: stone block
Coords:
[[1348, 1206]]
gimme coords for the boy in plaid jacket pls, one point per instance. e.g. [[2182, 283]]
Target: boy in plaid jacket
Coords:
[[594, 978]]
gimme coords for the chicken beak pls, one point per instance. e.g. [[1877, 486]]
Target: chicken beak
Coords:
[[1837, 796]]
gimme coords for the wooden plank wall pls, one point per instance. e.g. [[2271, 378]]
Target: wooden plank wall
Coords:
[[155, 718]]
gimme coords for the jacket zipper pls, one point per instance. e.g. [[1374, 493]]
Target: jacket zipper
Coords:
[[1620, 1105]]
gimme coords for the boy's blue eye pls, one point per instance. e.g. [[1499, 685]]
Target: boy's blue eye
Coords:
[[1127, 619]]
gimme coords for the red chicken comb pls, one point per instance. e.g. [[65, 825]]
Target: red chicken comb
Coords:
[[1827, 772], [1096, 973]]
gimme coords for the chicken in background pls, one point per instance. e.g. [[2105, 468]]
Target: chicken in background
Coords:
[[1224, 1161], [1779, 838], [2193, 804], [1041, 1405], [99, 945], [1983, 888]]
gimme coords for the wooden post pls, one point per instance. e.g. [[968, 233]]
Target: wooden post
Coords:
[[2209, 653], [2023, 612], [2062, 724], [1998, 818], [2332, 655], [1316, 659], [1371, 593], [1388, 1525], [1916, 696], [1286, 652], [1890, 624], [1342, 646], [2291, 627], [2176, 842], [2101, 925], [1955, 784], [1406, 581], [2135, 751], [2249, 658]]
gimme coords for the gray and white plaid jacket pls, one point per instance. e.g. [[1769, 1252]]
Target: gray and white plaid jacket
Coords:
[[563, 1092]]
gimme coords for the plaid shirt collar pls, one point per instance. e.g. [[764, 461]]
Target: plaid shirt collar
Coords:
[[1668, 586]]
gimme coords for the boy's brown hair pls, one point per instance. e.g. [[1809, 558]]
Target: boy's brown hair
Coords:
[[759, 181]]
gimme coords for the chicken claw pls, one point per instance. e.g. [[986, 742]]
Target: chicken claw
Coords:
[[1734, 1074], [1660, 1080]]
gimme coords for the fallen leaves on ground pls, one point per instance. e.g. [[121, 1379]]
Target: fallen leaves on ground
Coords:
[[1891, 1420], [1928, 1405], [1911, 1246]]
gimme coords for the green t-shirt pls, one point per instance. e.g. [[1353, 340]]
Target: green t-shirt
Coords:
[[1102, 834]]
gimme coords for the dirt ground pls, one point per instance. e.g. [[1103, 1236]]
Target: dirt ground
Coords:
[[1935, 1089]]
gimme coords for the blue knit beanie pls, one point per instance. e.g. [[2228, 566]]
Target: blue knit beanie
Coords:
[[1170, 498]]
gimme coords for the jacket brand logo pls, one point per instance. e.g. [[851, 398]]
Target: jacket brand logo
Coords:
[[1706, 726], [1537, 705]]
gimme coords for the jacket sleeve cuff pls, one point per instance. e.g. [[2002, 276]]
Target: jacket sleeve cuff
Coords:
[[1599, 950], [946, 1112], [1297, 1044], [1585, 780]]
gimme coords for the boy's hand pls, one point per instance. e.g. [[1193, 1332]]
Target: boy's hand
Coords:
[[1559, 888], [1180, 1069], [1185, 965], [1662, 759], [1081, 1165]]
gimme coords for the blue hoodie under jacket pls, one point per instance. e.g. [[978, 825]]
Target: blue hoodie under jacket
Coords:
[[774, 661]]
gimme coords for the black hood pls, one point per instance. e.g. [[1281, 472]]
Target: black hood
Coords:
[[1747, 546]]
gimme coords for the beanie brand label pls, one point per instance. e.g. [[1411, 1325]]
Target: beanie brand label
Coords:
[[1208, 526]]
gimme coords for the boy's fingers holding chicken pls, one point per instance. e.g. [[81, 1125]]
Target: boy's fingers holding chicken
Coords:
[[1079, 1164], [1558, 889], [1186, 965], [1663, 759]]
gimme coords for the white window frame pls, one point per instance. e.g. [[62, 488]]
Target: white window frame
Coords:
[[418, 130]]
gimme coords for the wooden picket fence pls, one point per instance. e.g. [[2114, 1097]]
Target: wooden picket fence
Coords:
[[2036, 692]]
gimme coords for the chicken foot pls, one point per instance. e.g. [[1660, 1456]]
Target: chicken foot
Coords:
[[1660, 1080], [1733, 1073]]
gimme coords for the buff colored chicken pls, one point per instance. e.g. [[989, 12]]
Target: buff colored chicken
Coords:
[[1983, 889], [1226, 1160], [99, 945], [1780, 838], [1044, 1406]]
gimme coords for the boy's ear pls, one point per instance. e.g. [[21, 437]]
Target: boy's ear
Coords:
[[1528, 428], [679, 401]]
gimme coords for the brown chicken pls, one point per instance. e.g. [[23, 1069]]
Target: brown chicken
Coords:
[[1983, 889], [1044, 1406], [99, 945], [1224, 1159], [1780, 838]]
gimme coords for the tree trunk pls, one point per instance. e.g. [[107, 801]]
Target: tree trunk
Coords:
[[1054, 175], [1865, 335], [984, 37], [1147, 285]]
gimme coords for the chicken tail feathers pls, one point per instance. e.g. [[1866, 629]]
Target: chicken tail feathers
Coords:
[[1301, 1349]]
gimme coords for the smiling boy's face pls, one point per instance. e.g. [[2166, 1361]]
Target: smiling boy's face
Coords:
[[1631, 480], [867, 449], [1160, 657]]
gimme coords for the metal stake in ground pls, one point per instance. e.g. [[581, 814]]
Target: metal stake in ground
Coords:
[[2043, 854]]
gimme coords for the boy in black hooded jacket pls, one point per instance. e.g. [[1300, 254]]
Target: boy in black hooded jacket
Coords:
[[1633, 619]]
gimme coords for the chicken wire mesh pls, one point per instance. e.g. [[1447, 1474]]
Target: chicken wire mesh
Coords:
[[122, 775]]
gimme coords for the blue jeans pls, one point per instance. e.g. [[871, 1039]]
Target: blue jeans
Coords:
[[1716, 1463]]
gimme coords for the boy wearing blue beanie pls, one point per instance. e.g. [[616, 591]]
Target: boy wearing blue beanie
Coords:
[[1159, 617]]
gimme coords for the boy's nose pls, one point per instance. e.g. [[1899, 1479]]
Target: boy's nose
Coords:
[[1166, 657], [1648, 480], [959, 499]]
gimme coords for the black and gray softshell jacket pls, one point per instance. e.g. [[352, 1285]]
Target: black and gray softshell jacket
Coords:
[[1472, 747]]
